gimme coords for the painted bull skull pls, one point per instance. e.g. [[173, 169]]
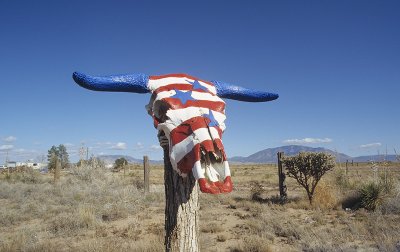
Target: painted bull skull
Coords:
[[189, 114]]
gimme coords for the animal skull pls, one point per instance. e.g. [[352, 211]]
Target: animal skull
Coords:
[[189, 115]]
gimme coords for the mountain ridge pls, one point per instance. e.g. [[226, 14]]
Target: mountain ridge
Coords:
[[110, 159], [269, 155]]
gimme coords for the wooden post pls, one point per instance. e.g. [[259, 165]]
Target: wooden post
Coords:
[[282, 177], [181, 210], [347, 167], [146, 168], [57, 170]]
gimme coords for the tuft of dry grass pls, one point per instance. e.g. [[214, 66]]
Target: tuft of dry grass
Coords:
[[326, 196], [252, 244], [212, 227]]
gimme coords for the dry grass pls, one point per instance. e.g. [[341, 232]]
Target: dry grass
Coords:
[[92, 209], [86, 200], [326, 196]]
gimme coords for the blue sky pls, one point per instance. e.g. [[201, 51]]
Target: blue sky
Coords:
[[335, 65]]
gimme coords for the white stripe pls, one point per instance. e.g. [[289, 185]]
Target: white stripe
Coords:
[[154, 84], [178, 116], [227, 171], [197, 170], [214, 133], [169, 126], [201, 96], [179, 150]]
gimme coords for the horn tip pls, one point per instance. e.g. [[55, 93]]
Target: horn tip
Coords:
[[78, 77]]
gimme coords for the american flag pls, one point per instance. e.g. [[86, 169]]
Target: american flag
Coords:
[[195, 122]]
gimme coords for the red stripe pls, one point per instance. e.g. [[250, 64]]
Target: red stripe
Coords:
[[219, 131], [208, 145], [175, 103], [179, 75], [220, 146], [187, 127], [186, 164]]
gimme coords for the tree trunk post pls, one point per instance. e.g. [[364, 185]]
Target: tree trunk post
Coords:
[[282, 177], [146, 168], [181, 210]]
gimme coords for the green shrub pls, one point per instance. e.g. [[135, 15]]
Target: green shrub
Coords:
[[256, 190], [308, 168], [371, 196]]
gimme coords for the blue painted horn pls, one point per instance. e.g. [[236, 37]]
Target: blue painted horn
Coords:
[[232, 92], [134, 83], [137, 83]]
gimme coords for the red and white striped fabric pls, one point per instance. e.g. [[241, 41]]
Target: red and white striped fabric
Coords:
[[194, 123]]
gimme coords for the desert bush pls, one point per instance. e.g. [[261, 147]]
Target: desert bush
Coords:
[[341, 180], [120, 163], [25, 175], [88, 172], [386, 182], [212, 227], [256, 190], [221, 238], [371, 196], [67, 224], [308, 168], [252, 244]]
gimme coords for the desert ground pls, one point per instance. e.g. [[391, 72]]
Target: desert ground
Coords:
[[94, 209]]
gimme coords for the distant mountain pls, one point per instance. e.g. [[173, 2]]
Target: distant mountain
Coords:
[[377, 158], [110, 159], [269, 155]]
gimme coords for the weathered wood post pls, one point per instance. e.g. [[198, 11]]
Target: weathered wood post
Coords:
[[282, 177], [57, 170], [181, 209], [347, 167], [146, 168]]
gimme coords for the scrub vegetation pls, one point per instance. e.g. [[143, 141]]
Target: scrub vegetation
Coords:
[[94, 209]]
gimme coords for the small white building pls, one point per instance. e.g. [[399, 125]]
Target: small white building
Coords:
[[11, 164]]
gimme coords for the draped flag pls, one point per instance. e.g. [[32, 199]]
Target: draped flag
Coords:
[[194, 123]]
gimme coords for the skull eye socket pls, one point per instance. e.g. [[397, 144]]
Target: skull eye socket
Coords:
[[160, 109]]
